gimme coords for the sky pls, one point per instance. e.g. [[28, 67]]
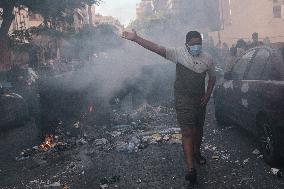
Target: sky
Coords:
[[123, 10]]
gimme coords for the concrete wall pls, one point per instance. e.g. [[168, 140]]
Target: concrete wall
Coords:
[[241, 18]]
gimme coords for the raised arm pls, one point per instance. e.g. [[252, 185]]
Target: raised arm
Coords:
[[132, 36]]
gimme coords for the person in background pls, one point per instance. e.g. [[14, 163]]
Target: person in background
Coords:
[[241, 47], [232, 59], [255, 41], [192, 66], [225, 55], [266, 41]]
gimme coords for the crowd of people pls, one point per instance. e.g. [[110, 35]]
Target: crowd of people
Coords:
[[226, 56]]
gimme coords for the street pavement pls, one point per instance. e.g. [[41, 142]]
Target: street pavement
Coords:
[[232, 160]]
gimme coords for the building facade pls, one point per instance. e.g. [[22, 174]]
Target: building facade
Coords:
[[99, 19], [160, 5], [24, 20], [195, 14], [239, 19], [144, 8]]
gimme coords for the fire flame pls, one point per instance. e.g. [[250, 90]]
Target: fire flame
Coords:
[[48, 142]]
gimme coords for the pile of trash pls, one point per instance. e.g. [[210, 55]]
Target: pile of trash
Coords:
[[144, 115], [142, 140], [136, 129]]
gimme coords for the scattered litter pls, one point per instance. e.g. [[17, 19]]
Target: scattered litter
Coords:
[[133, 144], [177, 137], [157, 137], [215, 131], [166, 138], [65, 186], [34, 181], [103, 186], [81, 141], [216, 157], [256, 152], [115, 133], [246, 161], [210, 147], [55, 184], [77, 124], [35, 147], [106, 182], [102, 141], [121, 146], [122, 127], [260, 156], [225, 156], [277, 172]]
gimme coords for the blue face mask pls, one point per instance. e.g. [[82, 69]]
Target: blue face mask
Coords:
[[195, 50]]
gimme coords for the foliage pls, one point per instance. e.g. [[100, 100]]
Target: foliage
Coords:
[[53, 12], [90, 40], [57, 10], [20, 36], [147, 25], [146, 22], [50, 10]]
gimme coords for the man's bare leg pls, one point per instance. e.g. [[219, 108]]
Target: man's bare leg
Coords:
[[198, 135], [188, 146]]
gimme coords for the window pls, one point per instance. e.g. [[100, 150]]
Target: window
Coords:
[[241, 65], [277, 9], [258, 65]]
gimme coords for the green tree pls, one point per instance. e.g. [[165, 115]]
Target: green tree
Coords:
[[51, 10], [90, 40]]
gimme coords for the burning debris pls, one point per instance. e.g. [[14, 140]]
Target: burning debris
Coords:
[[48, 143]]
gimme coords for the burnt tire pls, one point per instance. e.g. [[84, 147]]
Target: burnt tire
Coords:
[[269, 141]]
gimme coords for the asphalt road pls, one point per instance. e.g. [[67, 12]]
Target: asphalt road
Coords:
[[231, 163]]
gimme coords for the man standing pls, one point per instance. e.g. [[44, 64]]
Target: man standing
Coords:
[[255, 41], [192, 66]]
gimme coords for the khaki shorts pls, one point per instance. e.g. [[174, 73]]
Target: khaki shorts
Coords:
[[190, 114]]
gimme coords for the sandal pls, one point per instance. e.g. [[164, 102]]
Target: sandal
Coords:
[[191, 176], [200, 159]]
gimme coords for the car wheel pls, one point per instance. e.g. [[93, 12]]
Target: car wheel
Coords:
[[269, 142]]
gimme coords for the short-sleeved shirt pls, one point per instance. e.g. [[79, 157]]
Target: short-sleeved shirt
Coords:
[[199, 64], [190, 71]]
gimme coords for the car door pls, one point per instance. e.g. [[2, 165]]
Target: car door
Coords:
[[250, 89], [232, 87]]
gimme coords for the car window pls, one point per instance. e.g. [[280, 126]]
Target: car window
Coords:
[[276, 67], [258, 65], [241, 65]]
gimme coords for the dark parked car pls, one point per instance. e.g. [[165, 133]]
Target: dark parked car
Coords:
[[13, 108], [16, 131], [252, 97]]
